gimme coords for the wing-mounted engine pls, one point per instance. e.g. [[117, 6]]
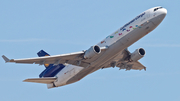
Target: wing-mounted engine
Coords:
[[137, 54], [92, 51]]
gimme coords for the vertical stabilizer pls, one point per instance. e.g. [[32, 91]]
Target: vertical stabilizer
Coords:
[[43, 53]]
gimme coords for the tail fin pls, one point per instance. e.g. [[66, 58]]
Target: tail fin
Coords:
[[43, 53]]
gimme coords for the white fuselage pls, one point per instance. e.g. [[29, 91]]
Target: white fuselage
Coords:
[[65, 74], [116, 43]]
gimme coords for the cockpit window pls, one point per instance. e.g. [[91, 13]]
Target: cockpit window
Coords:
[[157, 8]]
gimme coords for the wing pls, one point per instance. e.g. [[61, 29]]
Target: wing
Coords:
[[71, 58], [122, 61]]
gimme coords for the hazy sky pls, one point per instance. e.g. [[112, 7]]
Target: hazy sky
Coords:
[[65, 26]]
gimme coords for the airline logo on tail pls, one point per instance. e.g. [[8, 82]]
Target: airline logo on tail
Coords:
[[43, 53], [51, 69]]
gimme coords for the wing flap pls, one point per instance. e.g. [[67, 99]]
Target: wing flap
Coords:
[[41, 80], [136, 65]]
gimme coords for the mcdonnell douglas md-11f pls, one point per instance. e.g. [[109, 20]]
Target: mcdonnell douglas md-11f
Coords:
[[111, 52]]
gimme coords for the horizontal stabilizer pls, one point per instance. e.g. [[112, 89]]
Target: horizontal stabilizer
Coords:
[[46, 80], [5, 58]]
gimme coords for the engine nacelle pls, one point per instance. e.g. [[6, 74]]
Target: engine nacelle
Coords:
[[92, 51], [137, 54]]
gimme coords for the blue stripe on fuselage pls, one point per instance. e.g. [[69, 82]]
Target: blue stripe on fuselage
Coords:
[[52, 71]]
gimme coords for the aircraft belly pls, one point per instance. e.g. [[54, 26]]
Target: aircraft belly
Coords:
[[115, 49]]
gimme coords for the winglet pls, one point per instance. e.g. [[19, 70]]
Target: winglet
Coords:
[[5, 58], [145, 68]]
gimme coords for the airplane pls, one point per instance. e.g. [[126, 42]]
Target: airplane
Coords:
[[65, 69]]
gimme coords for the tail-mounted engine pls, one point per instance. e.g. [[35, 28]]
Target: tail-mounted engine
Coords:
[[137, 54], [92, 51]]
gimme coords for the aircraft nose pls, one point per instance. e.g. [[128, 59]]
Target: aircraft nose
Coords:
[[158, 19], [163, 12]]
